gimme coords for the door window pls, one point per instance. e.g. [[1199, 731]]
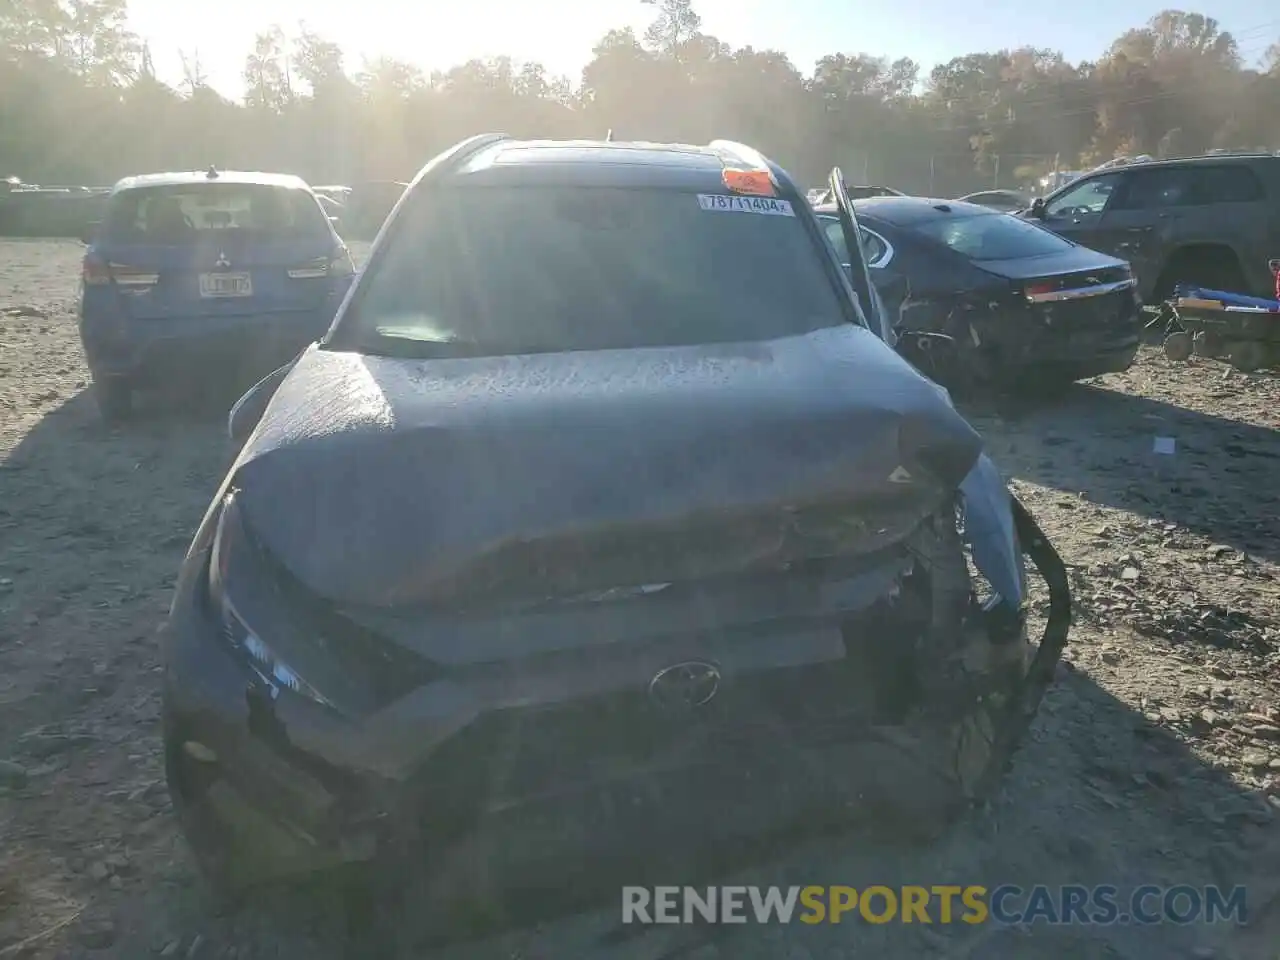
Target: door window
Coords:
[[1081, 199], [1157, 189], [1226, 184]]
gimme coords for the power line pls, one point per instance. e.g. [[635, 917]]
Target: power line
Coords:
[[955, 106]]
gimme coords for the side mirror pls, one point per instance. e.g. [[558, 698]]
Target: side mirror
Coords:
[[248, 410], [88, 232], [1038, 208]]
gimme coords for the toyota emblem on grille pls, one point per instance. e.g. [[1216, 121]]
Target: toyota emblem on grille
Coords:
[[684, 686], [222, 260]]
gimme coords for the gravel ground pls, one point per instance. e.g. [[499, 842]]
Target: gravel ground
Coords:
[[1156, 758]]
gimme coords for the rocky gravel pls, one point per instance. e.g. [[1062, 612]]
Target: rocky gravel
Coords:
[[1156, 758]]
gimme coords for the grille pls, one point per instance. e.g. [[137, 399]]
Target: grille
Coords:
[[530, 753]]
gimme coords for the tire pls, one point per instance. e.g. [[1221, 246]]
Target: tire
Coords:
[[1178, 347], [1207, 345], [1248, 356], [114, 397]]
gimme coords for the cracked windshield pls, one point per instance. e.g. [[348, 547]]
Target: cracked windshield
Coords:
[[639, 480]]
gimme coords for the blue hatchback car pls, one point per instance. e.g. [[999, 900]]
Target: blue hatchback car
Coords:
[[205, 273]]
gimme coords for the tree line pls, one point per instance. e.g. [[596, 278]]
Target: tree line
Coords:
[[80, 102]]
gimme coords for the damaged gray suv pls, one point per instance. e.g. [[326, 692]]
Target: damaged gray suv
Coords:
[[603, 519]]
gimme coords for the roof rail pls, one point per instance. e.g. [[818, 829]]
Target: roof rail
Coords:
[[478, 142], [459, 152], [744, 154]]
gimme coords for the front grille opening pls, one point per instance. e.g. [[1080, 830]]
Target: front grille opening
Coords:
[[517, 755]]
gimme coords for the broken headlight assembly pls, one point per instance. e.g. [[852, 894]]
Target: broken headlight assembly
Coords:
[[238, 629]]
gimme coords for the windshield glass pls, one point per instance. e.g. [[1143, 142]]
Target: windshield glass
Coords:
[[992, 236], [550, 269], [185, 212]]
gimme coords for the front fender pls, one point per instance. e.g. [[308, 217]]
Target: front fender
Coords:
[[991, 532]]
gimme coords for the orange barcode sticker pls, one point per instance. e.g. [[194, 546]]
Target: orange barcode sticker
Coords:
[[756, 183]]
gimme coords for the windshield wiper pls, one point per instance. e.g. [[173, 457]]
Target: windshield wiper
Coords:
[[391, 345], [419, 348]]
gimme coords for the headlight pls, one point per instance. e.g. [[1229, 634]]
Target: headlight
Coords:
[[236, 629]]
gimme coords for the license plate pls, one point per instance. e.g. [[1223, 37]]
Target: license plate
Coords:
[[226, 285]]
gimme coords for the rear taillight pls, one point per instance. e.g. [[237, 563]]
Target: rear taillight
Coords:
[[338, 265], [1037, 290], [312, 269], [94, 272], [127, 276]]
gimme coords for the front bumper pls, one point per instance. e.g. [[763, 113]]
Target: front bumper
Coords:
[[563, 781], [526, 787]]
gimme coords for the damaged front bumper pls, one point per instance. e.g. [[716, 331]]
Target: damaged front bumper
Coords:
[[546, 760]]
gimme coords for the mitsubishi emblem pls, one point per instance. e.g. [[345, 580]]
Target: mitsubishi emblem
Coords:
[[685, 686], [222, 260]]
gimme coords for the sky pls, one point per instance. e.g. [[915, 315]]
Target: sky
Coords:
[[560, 33]]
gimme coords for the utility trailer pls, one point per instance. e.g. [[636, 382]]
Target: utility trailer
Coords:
[[1243, 331]]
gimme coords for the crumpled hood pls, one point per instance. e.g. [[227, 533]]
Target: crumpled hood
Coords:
[[369, 477]]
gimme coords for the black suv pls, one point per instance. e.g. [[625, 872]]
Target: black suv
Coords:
[[599, 524], [1211, 221]]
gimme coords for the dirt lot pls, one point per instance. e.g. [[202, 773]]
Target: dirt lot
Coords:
[[1156, 758]]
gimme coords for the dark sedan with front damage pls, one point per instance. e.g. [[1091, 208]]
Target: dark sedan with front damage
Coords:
[[1020, 304], [603, 522]]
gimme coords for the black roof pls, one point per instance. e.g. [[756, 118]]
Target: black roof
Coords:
[[607, 163], [1208, 158], [906, 211]]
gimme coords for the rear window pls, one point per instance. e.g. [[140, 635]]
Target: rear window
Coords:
[[1228, 184], [504, 270], [172, 214], [874, 247], [991, 236]]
